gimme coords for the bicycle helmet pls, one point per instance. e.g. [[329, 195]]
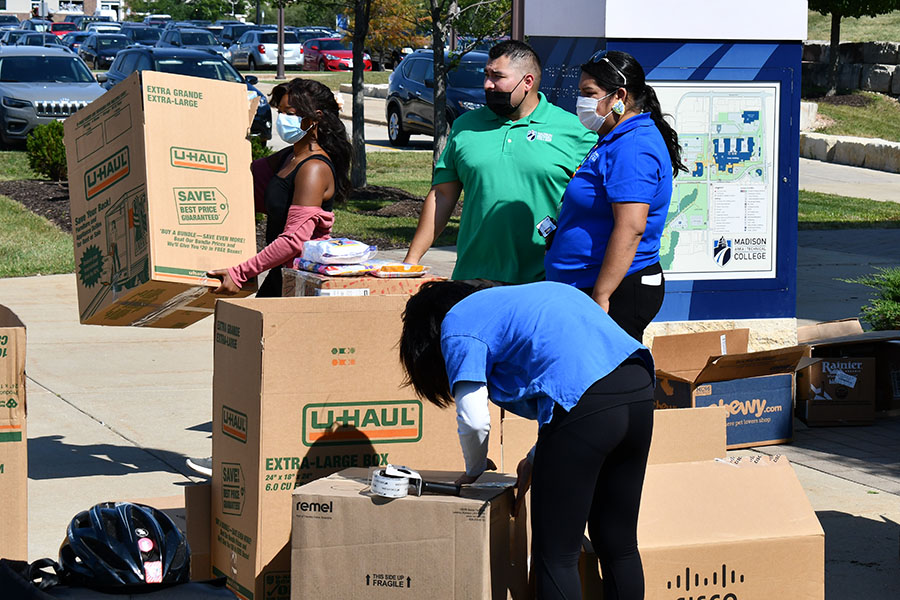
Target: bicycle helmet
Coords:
[[119, 543]]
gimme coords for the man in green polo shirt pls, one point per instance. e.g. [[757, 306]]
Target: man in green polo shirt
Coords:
[[513, 158]]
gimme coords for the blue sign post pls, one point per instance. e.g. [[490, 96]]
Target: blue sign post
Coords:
[[730, 79]]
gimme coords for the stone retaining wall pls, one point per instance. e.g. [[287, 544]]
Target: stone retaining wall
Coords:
[[871, 66], [871, 153]]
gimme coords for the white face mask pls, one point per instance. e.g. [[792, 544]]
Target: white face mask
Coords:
[[290, 128], [586, 109]]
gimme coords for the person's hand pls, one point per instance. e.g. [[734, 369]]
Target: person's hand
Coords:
[[228, 287], [603, 301], [523, 482], [467, 479]]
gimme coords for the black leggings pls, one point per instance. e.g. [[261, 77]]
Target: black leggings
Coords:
[[589, 468], [634, 303]]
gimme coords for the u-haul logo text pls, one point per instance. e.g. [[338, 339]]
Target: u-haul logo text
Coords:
[[234, 424], [712, 586], [342, 423], [100, 178], [203, 160]]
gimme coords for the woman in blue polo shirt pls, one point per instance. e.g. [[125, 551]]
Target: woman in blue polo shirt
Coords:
[[614, 208], [545, 351]]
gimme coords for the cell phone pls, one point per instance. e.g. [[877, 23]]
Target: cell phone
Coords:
[[546, 226]]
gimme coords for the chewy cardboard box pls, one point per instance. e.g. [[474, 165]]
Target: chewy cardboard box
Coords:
[[160, 191], [348, 544], [757, 388], [302, 388], [303, 283], [883, 346], [13, 440]]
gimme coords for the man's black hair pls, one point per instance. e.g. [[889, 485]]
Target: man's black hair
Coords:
[[516, 51]]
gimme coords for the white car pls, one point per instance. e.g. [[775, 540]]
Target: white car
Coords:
[[104, 27], [260, 48]]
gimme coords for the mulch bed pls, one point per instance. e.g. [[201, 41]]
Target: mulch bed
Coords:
[[855, 100], [51, 201]]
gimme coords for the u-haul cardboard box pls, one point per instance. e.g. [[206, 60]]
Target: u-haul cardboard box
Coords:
[[160, 192], [302, 388], [13, 439], [757, 388], [302, 283], [349, 544]]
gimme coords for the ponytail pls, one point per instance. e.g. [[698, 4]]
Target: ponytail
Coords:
[[648, 102]]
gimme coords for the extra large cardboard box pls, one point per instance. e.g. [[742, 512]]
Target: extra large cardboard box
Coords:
[[757, 388], [160, 191], [349, 544], [13, 439], [302, 283], [302, 388]]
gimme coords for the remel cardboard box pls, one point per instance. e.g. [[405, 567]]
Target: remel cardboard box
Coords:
[[349, 544], [884, 346], [160, 192], [837, 391], [827, 330], [302, 388], [13, 439], [757, 388], [304, 283]]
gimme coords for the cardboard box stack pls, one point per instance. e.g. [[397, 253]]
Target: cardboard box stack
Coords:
[[304, 283], [432, 546], [13, 439], [302, 388], [859, 372], [708, 527], [713, 368], [152, 211]]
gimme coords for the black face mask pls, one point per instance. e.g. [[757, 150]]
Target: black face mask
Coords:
[[499, 102]]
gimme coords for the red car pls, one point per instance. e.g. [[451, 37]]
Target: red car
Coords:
[[61, 29], [330, 54]]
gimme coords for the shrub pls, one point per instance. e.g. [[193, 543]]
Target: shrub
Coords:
[[883, 310], [46, 151], [258, 149]]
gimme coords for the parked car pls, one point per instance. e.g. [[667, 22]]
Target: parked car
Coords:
[[260, 47], [410, 102], [201, 23], [142, 35], [10, 36], [73, 40], [100, 49], [9, 22], [330, 54], [103, 27], [62, 28], [195, 39], [36, 25], [82, 21], [39, 85], [157, 19], [233, 32], [40, 39], [197, 63]]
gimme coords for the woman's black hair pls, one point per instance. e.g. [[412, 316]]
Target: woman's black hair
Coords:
[[643, 96], [420, 342], [306, 97]]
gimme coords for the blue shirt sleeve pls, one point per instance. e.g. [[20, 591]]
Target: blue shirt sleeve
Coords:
[[633, 172], [467, 359]]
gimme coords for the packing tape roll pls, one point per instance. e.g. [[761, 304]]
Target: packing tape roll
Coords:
[[392, 482]]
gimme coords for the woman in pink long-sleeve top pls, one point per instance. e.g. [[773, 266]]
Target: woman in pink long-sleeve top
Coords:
[[300, 196]]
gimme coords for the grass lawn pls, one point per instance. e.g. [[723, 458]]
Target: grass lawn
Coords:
[[332, 79], [30, 244], [883, 28], [828, 211], [880, 118]]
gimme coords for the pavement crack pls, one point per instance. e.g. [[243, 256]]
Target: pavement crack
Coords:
[[174, 468]]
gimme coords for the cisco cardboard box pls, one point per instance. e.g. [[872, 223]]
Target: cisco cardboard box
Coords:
[[160, 192], [303, 283], [13, 441], [348, 544], [837, 391], [302, 388], [757, 388]]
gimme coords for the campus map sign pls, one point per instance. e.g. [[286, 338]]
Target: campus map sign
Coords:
[[721, 221]]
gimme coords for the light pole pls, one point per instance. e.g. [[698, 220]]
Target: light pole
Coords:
[[279, 72]]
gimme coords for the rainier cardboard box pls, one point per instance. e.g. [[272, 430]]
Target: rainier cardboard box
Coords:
[[13, 440], [837, 391], [302, 388], [160, 191], [757, 388], [883, 346], [349, 544], [303, 283]]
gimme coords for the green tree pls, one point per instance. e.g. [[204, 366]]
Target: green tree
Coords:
[[838, 9]]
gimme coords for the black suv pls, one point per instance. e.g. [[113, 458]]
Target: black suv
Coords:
[[410, 101], [196, 63]]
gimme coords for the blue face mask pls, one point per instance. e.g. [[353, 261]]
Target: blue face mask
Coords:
[[290, 128]]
